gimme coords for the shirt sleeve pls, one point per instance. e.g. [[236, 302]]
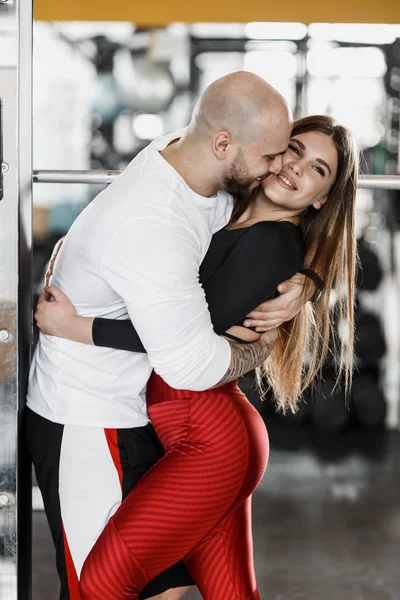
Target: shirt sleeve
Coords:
[[153, 263]]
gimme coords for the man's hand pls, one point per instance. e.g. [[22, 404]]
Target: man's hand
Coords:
[[54, 313], [273, 313]]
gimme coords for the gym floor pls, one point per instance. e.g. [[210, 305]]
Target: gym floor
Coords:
[[326, 519]]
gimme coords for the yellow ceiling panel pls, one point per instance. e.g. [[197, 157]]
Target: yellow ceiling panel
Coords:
[[158, 12]]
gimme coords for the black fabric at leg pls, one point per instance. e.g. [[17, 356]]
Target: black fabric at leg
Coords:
[[44, 440], [140, 449]]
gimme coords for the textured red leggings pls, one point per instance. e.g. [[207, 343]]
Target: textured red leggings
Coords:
[[195, 503]]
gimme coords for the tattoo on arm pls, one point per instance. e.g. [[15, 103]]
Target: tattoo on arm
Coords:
[[245, 358]]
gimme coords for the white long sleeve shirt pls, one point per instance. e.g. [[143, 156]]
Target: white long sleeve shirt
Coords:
[[134, 252]]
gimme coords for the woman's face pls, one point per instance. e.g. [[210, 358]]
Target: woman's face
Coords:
[[308, 172]]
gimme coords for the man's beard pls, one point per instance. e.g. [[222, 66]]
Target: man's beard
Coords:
[[237, 181], [237, 188]]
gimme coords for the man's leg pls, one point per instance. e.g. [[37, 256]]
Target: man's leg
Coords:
[[81, 490], [83, 474], [45, 440]]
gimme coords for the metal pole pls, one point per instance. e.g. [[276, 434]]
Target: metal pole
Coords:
[[372, 182], [15, 294], [95, 177], [379, 182]]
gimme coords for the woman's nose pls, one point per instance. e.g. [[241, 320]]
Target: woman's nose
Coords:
[[296, 168]]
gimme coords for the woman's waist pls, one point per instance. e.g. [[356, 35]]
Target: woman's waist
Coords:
[[159, 391]]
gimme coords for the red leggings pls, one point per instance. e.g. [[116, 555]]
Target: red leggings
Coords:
[[195, 503]]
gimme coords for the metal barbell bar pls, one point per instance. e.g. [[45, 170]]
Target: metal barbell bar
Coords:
[[102, 177], [372, 182]]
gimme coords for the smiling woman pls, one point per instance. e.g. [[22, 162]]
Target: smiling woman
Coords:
[[310, 166], [316, 190]]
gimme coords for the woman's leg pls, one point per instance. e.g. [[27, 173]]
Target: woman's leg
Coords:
[[211, 467], [140, 449], [222, 565]]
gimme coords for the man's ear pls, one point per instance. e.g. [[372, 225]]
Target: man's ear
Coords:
[[222, 143]]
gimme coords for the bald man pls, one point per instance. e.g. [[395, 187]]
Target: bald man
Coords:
[[135, 253]]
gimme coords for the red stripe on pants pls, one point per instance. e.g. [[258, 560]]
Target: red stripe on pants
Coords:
[[193, 504], [112, 441]]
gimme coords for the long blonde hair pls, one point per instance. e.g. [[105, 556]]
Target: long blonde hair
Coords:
[[329, 241]]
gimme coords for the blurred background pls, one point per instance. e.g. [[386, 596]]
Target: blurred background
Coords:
[[117, 87], [327, 516]]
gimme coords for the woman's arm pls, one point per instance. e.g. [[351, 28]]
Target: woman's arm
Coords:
[[120, 335], [293, 295], [60, 319], [265, 254]]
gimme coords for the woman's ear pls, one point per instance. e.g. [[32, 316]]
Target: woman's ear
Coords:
[[320, 203]]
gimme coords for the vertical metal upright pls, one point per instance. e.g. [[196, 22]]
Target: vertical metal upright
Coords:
[[15, 294]]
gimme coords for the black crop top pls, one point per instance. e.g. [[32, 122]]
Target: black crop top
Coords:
[[241, 269]]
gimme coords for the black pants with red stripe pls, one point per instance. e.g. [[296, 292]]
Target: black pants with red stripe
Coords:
[[60, 479]]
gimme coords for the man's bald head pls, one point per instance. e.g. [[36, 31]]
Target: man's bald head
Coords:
[[238, 134], [242, 104]]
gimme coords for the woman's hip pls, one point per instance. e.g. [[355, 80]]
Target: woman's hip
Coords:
[[218, 425]]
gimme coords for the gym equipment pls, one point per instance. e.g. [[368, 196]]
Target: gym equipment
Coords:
[[15, 294], [370, 343], [368, 402], [372, 182], [15, 284], [108, 101], [147, 85], [329, 408], [369, 276], [303, 413]]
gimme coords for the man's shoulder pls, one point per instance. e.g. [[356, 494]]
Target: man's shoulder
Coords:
[[147, 175], [150, 160]]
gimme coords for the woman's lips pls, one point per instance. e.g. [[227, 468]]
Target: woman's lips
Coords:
[[286, 186]]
